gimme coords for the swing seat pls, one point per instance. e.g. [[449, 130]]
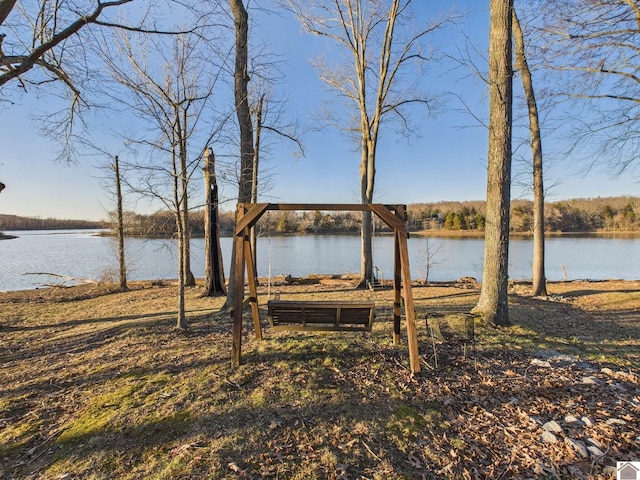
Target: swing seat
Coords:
[[330, 316]]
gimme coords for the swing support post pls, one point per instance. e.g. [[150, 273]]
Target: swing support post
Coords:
[[247, 214], [244, 257], [397, 290], [236, 340]]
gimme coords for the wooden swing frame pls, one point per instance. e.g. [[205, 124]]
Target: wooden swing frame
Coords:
[[247, 214]]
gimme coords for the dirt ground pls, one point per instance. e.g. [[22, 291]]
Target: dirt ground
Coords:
[[98, 384]]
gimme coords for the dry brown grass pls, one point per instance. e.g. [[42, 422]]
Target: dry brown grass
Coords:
[[97, 384]]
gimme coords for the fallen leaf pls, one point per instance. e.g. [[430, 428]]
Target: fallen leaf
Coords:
[[275, 424], [414, 461]]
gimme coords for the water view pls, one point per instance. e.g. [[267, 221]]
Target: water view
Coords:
[[82, 254]]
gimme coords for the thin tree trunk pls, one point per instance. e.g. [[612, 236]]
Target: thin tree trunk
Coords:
[[181, 321], [254, 182], [241, 82], [538, 273], [213, 270], [120, 227], [189, 279], [493, 304]]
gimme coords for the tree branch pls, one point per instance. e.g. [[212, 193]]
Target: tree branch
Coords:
[[5, 9], [27, 62]]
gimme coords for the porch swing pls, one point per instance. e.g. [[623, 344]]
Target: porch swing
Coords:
[[321, 315], [327, 316]]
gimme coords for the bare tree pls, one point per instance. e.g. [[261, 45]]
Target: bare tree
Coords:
[[243, 114], [43, 35], [269, 124], [44, 43], [592, 48], [538, 271], [380, 49], [260, 117], [122, 264], [535, 142], [213, 269], [258, 112], [38, 46], [429, 252], [493, 304], [169, 92], [112, 183]]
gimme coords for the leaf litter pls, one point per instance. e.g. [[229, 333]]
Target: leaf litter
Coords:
[[97, 384]]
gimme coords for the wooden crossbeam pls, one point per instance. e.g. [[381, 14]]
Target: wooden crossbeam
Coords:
[[249, 218]]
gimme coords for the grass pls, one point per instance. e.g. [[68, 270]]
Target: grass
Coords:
[[97, 384]]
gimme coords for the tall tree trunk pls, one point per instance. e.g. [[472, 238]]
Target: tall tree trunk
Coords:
[[538, 273], [254, 182], [189, 279], [181, 321], [493, 304], [213, 269], [120, 227], [241, 82], [367, 178]]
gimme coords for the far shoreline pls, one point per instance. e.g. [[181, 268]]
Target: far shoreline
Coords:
[[431, 233], [480, 234], [413, 233]]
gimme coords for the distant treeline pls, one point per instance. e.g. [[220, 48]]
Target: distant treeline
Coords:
[[162, 223], [579, 215], [14, 222], [612, 214]]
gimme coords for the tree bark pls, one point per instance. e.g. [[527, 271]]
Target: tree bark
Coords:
[[120, 227], [367, 183], [243, 113], [5, 9], [493, 304], [254, 182], [538, 272], [181, 321], [189, 279], [213, 271]]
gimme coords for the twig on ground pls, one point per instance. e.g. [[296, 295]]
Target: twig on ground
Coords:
[[64, 280], [370, 451]]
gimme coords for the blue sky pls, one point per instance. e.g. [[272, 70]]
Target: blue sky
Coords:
[[446, 162]]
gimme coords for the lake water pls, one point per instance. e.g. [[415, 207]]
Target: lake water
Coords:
[[82, 254]]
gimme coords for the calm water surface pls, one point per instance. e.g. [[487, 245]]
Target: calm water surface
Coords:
[[81, 254]]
